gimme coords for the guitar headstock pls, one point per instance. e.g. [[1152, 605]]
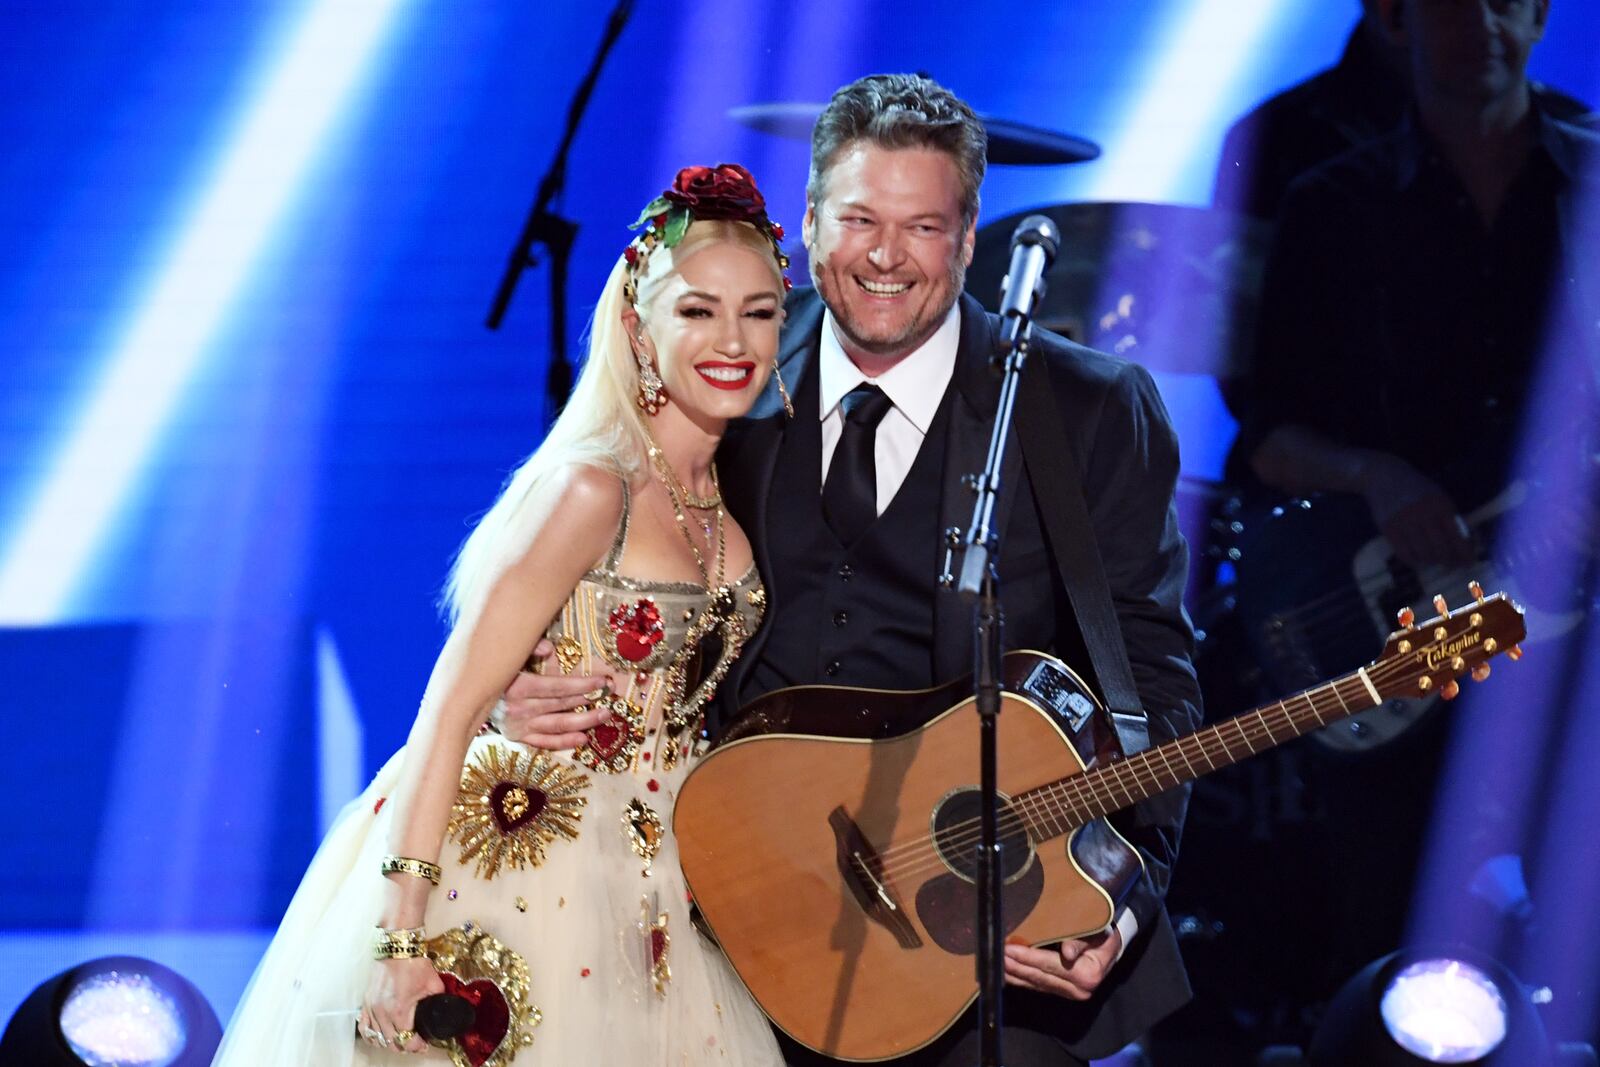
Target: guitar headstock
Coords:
[[1421, 658]]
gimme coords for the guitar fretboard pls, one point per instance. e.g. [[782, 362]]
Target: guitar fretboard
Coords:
[[1062, 806]]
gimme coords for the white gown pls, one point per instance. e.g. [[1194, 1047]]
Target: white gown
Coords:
[[549, 854]]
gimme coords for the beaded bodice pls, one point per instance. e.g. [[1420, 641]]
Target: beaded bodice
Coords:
[[673, 641]]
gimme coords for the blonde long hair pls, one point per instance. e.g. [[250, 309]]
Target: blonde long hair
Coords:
[[601, 426]]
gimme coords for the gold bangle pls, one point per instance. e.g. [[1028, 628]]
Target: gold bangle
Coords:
[[399, 944], [415, 868]]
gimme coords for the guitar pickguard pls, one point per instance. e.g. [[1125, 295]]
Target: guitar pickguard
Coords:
[[947, 906]]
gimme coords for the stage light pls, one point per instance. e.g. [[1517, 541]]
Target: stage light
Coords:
[[118, 1011], [240, 207], [1445, 1011], [1414, 1008]]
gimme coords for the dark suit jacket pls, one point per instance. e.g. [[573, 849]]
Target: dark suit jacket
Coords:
[[1128, 461]]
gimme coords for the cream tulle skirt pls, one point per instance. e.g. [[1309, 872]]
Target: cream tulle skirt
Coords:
[[578, 920]]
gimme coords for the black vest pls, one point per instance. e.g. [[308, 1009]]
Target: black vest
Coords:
[[860, 614]]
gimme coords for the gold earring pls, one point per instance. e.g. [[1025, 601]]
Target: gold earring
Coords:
[[788, 405], [652, 391]]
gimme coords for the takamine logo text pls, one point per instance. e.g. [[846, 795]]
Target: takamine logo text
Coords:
[[1438, 655]]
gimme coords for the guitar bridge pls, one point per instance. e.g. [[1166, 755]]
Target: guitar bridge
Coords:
[[863, 873]]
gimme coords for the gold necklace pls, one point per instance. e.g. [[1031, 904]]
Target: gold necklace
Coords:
[[672, 481]]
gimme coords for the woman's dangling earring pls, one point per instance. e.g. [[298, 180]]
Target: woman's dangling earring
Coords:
[[788, 405], [652, 391]]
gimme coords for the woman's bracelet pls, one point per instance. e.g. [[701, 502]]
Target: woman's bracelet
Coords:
[[399, 944], [415, 868]]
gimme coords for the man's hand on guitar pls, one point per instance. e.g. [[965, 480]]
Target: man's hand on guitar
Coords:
[[1072, 969], [540, 709], [1416, 516]]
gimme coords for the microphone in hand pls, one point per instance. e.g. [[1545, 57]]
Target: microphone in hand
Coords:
[[441, 1017]]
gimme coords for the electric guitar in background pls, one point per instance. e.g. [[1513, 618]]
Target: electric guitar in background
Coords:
[[1317, 586], [834, 863]]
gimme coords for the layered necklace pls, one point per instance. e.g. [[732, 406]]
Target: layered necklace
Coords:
[[713, 528], [685, 708]]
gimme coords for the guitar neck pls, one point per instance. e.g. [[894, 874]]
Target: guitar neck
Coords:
[[1062, 806]]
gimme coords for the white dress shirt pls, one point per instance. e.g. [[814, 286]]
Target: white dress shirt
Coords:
[[915, 386]]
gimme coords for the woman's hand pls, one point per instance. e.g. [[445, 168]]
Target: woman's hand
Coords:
[[390, 1007]]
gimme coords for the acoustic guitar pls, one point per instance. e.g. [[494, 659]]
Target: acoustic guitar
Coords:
[[836, 871]]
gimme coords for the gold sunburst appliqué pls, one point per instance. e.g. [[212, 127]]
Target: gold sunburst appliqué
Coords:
[[512, 805]]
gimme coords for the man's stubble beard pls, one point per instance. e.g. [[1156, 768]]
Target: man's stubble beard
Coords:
[[916, 333]]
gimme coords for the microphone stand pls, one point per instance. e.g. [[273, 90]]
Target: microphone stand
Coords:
[[544, 227], [977, 586]]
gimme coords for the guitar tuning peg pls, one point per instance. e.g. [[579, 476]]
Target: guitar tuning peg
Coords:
[[1439, 605], [1480, 672], [1476, 590], [1515, 652], [1450, 689], [1405, 617]]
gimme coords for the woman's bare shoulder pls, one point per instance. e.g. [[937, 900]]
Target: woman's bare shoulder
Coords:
[[584, 499]]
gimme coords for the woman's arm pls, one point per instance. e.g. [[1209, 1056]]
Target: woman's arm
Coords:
[[488, 646], [483, 653]]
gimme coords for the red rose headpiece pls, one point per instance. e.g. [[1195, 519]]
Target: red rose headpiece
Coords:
[[726, 191]]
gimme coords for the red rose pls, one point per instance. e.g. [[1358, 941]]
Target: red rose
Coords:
[[724, 192]]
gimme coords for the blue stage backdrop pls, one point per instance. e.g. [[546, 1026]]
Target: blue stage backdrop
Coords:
[[248, 405]]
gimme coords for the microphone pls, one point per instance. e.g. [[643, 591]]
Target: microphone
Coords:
[[440, 1017], [1033, 249]]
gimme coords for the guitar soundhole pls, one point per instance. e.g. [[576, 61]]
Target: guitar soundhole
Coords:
[[956, 835]]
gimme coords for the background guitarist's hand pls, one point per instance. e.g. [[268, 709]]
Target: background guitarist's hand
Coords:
[[1072, 969], [1418, 518]]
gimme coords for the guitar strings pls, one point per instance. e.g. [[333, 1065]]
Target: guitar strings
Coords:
[[1351, 613], [1510, 559], [1077, 792], [1080, 795], [1210, 736], [1071, 801]]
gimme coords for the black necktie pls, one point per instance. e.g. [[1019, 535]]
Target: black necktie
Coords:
[[850, 495]]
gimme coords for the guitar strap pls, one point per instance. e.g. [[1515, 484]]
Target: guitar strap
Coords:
[[1053, 467]]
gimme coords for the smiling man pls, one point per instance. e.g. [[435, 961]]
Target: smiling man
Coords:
[[890, 233], [889, 366], [846, 502]]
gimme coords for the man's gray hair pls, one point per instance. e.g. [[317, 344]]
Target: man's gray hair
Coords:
[[900, 111]]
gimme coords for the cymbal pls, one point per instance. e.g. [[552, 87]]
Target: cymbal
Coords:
[[1009, 142], [1171, 287]]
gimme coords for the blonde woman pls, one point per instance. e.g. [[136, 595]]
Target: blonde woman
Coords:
[[543, 887]]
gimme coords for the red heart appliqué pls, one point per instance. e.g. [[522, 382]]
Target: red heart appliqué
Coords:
[[607, 739], [514, 803], [638, 627], [492, 1020]]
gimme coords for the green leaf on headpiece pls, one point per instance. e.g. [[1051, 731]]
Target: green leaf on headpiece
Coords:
[[651, 210], [677, 226]]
